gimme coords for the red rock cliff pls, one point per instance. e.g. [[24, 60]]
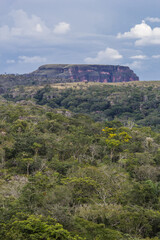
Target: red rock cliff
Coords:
[[79, 72]]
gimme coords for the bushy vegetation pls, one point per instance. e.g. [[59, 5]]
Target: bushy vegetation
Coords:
[[65, 176], [138, 102]]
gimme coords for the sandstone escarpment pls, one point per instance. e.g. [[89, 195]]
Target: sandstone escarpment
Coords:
[[79, 72], [59, 73]]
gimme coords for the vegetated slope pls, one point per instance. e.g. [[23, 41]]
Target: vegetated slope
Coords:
[[100, 180], [136, 101]]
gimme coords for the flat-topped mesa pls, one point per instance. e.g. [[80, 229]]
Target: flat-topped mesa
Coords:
[[84, 72]]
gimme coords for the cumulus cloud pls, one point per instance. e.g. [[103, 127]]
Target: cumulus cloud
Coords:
[[25, 25], [61, 28], [153, 20], [109, 54], [138, 31], [34, 59], [144, 33], [30, 27], [139, 57]]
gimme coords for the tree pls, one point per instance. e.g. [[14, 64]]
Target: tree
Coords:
[[94, 231], [82, 188], [31, 227], [115, 139], [36, 147], [27, 161]]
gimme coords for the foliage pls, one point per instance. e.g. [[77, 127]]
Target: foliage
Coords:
[[35, 227], [65, 176], [136, 102]]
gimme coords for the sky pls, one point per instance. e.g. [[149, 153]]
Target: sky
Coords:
[[111, 32]]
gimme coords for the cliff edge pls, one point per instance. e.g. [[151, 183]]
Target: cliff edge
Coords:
[[80, 72], [60, 73]]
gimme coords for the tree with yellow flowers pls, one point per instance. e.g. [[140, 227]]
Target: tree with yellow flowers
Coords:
[[116, 137]]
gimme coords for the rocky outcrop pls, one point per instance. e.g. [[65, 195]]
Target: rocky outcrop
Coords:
[[79, 72], [57, 73]]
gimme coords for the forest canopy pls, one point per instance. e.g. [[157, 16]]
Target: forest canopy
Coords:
[[71, 170]]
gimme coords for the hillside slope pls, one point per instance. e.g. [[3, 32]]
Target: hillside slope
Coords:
[[65, 175], [136, 101]]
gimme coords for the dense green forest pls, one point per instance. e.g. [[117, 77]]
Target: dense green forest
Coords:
[[80, 162], [136, 101]]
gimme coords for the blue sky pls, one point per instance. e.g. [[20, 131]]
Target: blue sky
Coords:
[[120, 32]]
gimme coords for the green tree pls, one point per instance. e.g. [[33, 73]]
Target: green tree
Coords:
[[115, 139], [34, 227], [94, 231]]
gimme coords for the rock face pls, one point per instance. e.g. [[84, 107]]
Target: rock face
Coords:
[[59, 73], [79, 73]]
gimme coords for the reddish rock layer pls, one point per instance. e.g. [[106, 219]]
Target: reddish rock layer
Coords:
[[96, 73]]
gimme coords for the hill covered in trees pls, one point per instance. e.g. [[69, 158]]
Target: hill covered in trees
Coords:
[[137, 101], [80, 161]]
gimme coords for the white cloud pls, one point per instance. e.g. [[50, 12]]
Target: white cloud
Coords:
[[156, 56], [138, 31], [39, 28], [30, 27], [34, 59], [144, 33], [139, 57], [4, 33], [61, 28], [153, 20], [109, 54], [25, 25], [135, 65], [10, 61]]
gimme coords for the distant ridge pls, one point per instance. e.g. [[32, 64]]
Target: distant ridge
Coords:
[[57, 73], [85, 72]]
